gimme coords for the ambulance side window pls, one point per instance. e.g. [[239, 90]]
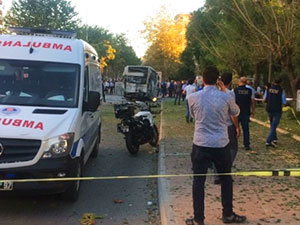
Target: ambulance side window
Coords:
[[86, 85]]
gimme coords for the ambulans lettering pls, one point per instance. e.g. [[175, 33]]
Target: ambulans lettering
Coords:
[[68, 48], [21, 123], [47, 45], [34, 44], [28, 124], [57, 46], [17, 44], [7, 43]]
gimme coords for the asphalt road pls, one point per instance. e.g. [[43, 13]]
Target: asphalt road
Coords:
[[139, 196]]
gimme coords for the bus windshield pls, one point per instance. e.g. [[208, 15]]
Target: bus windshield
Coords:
[[136, 79], [33, 83]]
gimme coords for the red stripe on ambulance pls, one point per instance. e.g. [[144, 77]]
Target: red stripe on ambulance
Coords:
[[21, 123], [35, 44]]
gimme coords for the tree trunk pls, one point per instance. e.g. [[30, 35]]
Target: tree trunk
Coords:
[[293, 81], [293, 78], [293, 84], [270, 69]]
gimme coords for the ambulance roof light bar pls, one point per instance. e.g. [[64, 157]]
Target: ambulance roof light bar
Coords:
[[43, 32]]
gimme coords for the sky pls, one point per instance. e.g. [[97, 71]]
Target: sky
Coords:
[[127, 16]]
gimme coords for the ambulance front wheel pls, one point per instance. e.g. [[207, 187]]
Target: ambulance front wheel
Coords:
[[72, 191], [96, 148]]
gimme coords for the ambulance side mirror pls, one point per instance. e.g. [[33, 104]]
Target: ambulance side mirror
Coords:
[[94, 101]]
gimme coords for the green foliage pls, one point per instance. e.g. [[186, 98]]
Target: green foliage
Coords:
[[51, 14], [124, 54], [96, 36], [166, 38], [241, 35]]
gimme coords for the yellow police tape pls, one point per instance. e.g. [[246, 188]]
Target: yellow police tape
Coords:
[[293, 111], [263, 173], [287, 108]]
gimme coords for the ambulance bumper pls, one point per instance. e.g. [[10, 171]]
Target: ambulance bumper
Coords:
[[45, 168]]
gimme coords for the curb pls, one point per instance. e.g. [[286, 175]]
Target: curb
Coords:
[[166, 212]]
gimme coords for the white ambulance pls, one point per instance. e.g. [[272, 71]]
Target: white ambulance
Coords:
[[50, 120]]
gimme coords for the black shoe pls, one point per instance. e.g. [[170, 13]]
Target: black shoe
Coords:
[[234, 218], [191, 120], [275, 143], [247, 148], [193, 222], [187, 119], [217, 181], [270, 145]]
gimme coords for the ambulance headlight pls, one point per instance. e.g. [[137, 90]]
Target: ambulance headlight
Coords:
[[59, 146]]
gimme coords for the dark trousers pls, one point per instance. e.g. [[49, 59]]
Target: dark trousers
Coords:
[[202, 157], [274, 122], [244, 120], [232, 146], [233, 142], [177, 97], [187, 115]]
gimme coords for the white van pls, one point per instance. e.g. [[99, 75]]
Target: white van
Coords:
[[50, 120]]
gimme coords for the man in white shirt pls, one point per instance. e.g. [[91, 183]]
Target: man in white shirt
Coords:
[[211, 109], [188, 90]]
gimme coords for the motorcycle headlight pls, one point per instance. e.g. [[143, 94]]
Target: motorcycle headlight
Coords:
[[59, 146]]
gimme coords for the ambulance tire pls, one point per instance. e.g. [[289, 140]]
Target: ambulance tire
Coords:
[[71, 193], [96, 148]]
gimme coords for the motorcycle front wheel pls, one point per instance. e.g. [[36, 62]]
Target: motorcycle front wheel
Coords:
[[132, 147], [155, 137]]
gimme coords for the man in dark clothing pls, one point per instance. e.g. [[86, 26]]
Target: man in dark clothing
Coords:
[[164, 89], [178, 92], [171, 89], [245, 100], [275, 98], [103, 92]]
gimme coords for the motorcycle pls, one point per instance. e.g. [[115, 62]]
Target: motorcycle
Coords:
[[138, 128]]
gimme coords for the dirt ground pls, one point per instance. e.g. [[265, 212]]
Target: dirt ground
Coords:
[[264, 200]]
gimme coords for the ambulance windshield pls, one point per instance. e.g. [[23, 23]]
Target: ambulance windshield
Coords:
[[33, 83]]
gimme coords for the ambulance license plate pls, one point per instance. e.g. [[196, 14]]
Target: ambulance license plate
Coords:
[[6, 186]]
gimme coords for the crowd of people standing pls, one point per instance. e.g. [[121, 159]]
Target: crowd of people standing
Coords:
[[109, 86]]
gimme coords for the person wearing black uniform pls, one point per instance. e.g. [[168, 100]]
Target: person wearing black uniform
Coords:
[[275, 98], [245, 100]]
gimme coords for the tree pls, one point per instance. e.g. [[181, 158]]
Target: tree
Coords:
[[244, 36], [113, 50], [216, 37], [166, 38], [100, 39], [2, 29], [125, 55], [278, 32], [51, 14]]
